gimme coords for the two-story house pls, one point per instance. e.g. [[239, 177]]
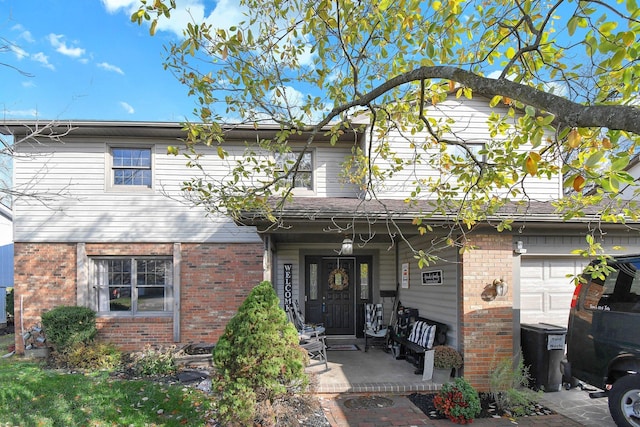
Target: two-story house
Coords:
[[114, 234]]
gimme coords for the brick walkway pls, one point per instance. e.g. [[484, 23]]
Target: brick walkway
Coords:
[[401, 412]]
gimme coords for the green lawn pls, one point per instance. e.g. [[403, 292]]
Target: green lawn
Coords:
[[5, 342], [33, 396]]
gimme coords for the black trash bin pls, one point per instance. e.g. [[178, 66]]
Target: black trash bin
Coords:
[[542, 351]]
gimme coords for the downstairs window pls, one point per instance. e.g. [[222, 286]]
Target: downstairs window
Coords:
[[133, 285]]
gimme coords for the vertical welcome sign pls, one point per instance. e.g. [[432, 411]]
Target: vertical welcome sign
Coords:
[[288, 284]]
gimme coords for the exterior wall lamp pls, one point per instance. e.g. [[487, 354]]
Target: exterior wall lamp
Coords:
[[347, 247], [498, 288]]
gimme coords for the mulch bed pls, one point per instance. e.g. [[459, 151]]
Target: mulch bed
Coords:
[[489, 408]]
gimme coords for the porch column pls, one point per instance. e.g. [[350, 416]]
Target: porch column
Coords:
[[486, 324]]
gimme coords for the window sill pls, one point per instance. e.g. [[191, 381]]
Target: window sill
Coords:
[[162, 317]]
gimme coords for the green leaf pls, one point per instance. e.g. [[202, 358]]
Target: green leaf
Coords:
[[384, 4], [572, 24]]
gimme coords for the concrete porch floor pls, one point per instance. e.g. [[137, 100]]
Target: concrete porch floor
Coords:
[[359, 372]]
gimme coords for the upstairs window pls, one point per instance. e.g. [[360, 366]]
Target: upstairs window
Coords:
[[131, 167], [133, 285], [303, 178]]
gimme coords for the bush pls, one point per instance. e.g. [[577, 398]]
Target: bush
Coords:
[[9, 305], [92, 356], [509, 387], [458, 401], [446, 357], [152, 362], [257, 359], [65, 326]]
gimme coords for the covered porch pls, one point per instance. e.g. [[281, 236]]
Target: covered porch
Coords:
[[357, 371]]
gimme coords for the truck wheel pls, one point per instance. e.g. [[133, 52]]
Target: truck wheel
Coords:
[[624, 401]]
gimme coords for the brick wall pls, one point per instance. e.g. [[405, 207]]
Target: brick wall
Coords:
[[215, 279], [44, 277], [486, 326]]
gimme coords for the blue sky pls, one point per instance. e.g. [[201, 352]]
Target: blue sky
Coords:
[[88, 61]]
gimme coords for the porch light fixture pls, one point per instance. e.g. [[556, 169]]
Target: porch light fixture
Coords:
[[498, 288], [501, 287], [347, 246]]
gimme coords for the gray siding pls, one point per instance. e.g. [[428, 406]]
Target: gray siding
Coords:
[[436, 302]]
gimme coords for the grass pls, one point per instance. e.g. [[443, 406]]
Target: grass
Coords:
[[33, 396], [5, 342]]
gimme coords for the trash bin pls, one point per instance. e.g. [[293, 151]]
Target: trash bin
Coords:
[[542, 351]]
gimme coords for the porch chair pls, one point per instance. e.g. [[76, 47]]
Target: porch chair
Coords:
[[316, 347], [374, 330], [297, 318]]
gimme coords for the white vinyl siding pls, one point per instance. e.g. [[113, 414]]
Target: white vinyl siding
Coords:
[[71, 179], [471, 126]]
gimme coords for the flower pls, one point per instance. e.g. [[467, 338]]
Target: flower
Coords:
[[446, 357], [459, 401]]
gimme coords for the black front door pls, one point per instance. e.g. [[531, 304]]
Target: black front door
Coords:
[[334, 286]]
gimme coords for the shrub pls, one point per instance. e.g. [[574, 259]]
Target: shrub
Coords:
[[446, 357], [458, 401], [65, 326], [9, 304], [152, 362], [257, 359], [508, 387], [92, 356]]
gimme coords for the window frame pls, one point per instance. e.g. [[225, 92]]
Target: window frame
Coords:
[[111, 168], [101, 288], [293, 155], [624, 279]]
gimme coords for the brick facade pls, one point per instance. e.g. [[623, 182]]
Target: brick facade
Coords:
[[44, 277], [215, 279], [486, 326]]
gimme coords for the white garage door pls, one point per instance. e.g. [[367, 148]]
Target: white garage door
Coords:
[[545, 290]]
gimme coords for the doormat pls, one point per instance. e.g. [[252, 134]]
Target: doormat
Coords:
[[343, 347]]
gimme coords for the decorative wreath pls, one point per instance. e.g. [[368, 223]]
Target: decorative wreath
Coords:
[[338, 279]]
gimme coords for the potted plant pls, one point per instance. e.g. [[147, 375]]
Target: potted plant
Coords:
[[445, 358]]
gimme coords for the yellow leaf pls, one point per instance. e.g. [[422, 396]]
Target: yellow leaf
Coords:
[[531, 165], [574, 138]]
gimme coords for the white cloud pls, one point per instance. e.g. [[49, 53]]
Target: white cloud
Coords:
[[43, 60], [18, 51], [24, 34], [61, 46], [110, 67], [113, 6], [28, 83], [128, 108], [225, 14]]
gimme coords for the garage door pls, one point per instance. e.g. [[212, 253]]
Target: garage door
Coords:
[[545, 290]]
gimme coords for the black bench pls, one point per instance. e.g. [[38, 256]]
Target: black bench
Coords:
[[413, 351]]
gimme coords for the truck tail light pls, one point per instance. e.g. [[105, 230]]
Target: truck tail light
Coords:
[[576, 295]]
